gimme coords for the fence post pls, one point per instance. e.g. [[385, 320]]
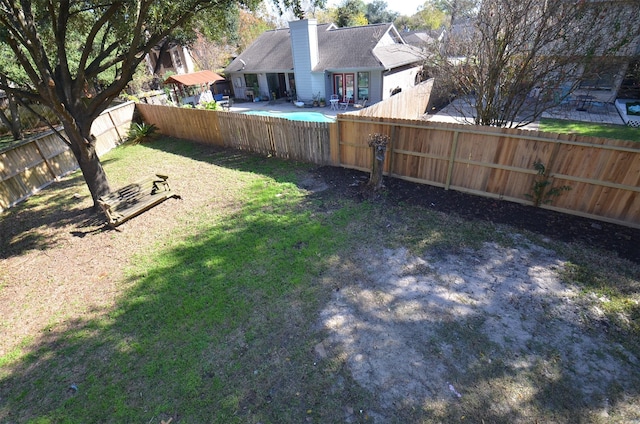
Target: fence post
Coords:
[[46, 161], [452, 158], [114, 125], [334, 143]]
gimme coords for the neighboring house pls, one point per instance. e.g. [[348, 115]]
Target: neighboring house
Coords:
[[308, 60], [604, 78], [419, 39], [169, 58]]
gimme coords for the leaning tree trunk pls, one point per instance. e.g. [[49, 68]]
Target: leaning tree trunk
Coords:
[[84, 150]]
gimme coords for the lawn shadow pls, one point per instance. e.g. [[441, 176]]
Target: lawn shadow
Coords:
[[29, 225], [214, 327]]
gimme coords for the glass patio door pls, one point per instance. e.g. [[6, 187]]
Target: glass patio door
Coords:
[[349, 85], [344, 85], [338, 85]]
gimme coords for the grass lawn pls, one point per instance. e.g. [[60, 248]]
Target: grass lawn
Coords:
[[217, 319], [591, 129]]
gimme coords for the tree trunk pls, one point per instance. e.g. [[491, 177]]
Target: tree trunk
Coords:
[[84, 150], [375, 179]]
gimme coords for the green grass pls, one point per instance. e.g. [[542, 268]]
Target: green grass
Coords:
[[218, 322], [591, 129]]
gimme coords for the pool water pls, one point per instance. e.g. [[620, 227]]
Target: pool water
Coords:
[[293, 116]]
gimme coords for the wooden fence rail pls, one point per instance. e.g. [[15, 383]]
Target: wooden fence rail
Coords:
[[604, 175], [278, 137], [33, 164]]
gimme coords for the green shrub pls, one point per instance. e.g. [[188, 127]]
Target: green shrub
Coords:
[[212, 105], [141, 132]]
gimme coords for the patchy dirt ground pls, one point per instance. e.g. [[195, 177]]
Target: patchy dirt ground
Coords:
[[492, 329]]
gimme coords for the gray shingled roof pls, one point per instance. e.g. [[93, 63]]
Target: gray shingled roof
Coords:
[[350, 47], [339, 48], [270, 52], [397, 55]]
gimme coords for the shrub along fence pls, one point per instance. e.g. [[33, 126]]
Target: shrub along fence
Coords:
[[33, 164], [603, 175]]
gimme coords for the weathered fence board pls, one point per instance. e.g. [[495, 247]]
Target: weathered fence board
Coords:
[[604, 175], [33, 164]]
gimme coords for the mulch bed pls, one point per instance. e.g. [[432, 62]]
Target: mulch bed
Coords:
[[625, 241]]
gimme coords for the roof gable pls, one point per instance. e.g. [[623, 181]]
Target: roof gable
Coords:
[[358, 47]]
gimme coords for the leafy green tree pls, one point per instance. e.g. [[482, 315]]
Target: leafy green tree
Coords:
[[377, 12], [430, 17], [77, 56], [455, 9], [10, 116], [351, 13]]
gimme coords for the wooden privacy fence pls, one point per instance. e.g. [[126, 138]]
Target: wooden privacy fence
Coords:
[[408, 104], [33, 164], [603, 174], [279, 137]]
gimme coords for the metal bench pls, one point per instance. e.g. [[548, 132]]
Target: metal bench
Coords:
[[133, 199]]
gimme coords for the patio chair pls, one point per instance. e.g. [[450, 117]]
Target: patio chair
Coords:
[[344, 105], [362, 103]]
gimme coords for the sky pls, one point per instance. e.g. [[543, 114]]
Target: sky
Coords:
[[404, 7]]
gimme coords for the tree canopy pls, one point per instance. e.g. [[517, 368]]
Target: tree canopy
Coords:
[[351, 13], [75, 57], [377, 12], [517, 59]]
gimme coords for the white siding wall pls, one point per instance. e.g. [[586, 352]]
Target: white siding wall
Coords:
[[375, 87], [403, 79], [386, 40], [304, 48], [239, 85], [188, 60]]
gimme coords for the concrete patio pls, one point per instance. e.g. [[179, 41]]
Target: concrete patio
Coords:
[[281, 105], [606, 113]]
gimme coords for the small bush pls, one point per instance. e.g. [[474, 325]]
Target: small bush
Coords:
[[141, 132], [212, 105]]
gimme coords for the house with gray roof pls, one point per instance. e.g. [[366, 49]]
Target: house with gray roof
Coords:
[[308, 60]]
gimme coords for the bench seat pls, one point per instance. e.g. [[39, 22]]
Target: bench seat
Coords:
[[133, 199]]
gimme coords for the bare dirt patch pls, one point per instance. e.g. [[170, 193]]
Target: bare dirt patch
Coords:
[[493, 327]]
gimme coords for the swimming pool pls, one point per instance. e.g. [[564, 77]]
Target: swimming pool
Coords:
[[293, 116]]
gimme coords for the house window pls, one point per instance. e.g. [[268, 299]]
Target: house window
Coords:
[[166, 60], [251, 81], [363, 85]]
